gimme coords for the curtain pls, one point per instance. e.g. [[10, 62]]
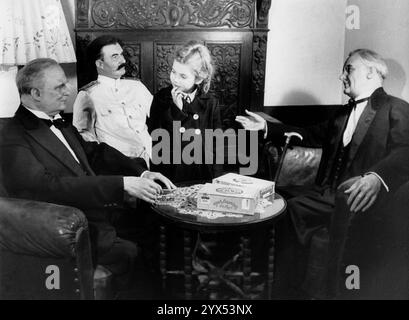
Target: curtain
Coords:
[[9, 97], [33, 29]]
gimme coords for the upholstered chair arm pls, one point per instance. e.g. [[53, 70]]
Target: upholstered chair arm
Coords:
[[39, 228]]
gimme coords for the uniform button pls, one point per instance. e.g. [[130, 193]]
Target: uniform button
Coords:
[[123, 103], [182, 129], [195, 116], [130, 117], [109, 111], [116, 89], [197, 131]]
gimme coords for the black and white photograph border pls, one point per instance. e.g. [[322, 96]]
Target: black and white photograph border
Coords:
[[312, 93]]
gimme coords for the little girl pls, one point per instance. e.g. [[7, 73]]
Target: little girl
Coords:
[[187, 100]]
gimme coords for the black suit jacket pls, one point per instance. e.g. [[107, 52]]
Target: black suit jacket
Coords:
[[375, 240], [36, 165], [162, 116], [380, 142]]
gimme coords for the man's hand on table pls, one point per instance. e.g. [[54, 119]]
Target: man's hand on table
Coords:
[[142, 188], [145, 187], [158, 176]]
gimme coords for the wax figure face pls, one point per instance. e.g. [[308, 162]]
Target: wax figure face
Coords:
[[183, 77], [112, 63], [356, 76], [52, 91]]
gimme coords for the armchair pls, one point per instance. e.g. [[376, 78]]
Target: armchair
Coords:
[[300, 164], [44, 251]]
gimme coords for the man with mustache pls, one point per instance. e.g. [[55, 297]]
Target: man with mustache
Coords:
[[364, 161], [111, 109]]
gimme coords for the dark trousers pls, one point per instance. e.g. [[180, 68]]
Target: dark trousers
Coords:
[[302, 243], [140, 225], [122, 261], [320, 238]]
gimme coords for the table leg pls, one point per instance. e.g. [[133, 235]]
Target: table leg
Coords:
[[246, 254], [187, 257], [162, 255], [270, 270]]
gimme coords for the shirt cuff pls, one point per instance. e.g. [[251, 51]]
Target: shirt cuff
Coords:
[[379, 177], [143, 173]]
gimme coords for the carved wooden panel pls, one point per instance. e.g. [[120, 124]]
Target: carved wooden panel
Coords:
[[164, 55], [259, 67], [263, 7], [82, 13], [136, 14], [226, 58], [132, 54], [235, 31]]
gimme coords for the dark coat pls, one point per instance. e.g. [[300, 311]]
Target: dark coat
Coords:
[[380, 142], [374, 240], [164, 113], [36, 165]]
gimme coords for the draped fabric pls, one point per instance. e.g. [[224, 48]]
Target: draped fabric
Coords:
[[33, 29], [9, 97]]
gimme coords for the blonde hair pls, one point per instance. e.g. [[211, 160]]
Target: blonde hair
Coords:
[[198, 57], [372, 59]]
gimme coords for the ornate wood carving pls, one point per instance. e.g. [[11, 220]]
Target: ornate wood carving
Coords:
[[164, 55], [263, 7], [132, 53], [140, 14], [151, 31], [226, 58], [259, 66], [82, 13]]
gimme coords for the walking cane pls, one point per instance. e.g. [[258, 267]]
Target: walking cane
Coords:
[[289, 135]]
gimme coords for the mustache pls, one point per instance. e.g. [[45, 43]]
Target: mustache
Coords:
[[121, 66]]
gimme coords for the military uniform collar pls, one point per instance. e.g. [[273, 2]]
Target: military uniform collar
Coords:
[[111, 82]]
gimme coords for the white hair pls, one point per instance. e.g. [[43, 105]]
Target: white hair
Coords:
[[372, 59]]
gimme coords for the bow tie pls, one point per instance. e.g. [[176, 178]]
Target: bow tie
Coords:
[[58, 123], [353, 103]]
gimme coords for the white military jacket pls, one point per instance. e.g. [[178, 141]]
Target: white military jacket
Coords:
[[114, 111]]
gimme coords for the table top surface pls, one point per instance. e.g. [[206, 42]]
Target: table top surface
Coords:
[[178, 208]]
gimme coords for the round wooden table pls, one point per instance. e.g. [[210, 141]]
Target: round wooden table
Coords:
[[222, 222]]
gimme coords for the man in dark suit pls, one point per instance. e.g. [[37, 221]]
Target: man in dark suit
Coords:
[[365, 159], [44, 158]]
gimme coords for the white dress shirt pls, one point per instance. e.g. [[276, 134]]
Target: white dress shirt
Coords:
[[114, 111], [189, 97], [353, 120], [57, 132]]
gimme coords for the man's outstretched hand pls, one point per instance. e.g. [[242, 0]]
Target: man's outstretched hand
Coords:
[[253, 122], [362, 191]]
